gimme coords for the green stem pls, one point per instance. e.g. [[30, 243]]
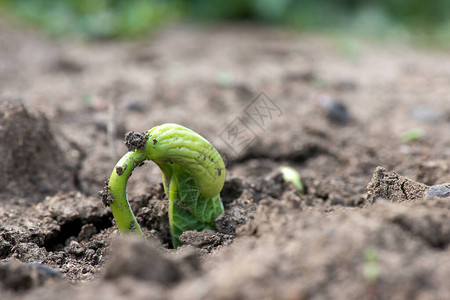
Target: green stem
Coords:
[[120, 208], [172, 195]]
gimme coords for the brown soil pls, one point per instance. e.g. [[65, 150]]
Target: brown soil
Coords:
[[359, 232], [33, 164]]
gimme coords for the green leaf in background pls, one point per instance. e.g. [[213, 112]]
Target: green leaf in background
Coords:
[[412, 134], [422, 20]]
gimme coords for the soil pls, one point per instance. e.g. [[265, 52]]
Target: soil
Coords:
[[33, 164], [372, 223]]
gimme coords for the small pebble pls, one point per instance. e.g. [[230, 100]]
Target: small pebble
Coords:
[[89, 253], [86, 232], [334, 110], [135, 105], [337, 112], [438, 191], [425, 114], [75, 248]]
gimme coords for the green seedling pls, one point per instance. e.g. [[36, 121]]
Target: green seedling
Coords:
[[225, 79], [371, 269], [291, 175], [412, 134], [87, 98], [193, 175]]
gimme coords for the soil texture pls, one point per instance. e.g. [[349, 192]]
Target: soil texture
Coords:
[[373, 223]]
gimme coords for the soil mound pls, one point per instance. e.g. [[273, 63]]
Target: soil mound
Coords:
[[32, 164]]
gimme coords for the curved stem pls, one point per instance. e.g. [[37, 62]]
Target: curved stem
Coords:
[[120, 207], [172, 195]]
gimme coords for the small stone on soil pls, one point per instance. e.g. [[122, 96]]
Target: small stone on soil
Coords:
[[438, 191], [334, 110], [135, 105], [425, 114], [338, 112]]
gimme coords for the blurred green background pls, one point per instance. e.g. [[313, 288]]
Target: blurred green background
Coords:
[[427, 21]]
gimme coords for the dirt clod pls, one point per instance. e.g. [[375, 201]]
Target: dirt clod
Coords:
[[33, 164], [19, 276], [393, 187], [120, 170], [135, 140], [140, 259], [86, 232], [205, 239], [105, 195]]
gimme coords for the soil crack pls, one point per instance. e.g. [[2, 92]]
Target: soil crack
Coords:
[[72, 228]]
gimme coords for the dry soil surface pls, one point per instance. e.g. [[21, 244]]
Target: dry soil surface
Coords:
[[367, 227]]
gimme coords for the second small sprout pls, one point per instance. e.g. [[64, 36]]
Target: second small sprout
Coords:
[[291, 175]]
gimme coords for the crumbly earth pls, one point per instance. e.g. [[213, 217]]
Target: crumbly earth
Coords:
[[368, 226], [33, 165]]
